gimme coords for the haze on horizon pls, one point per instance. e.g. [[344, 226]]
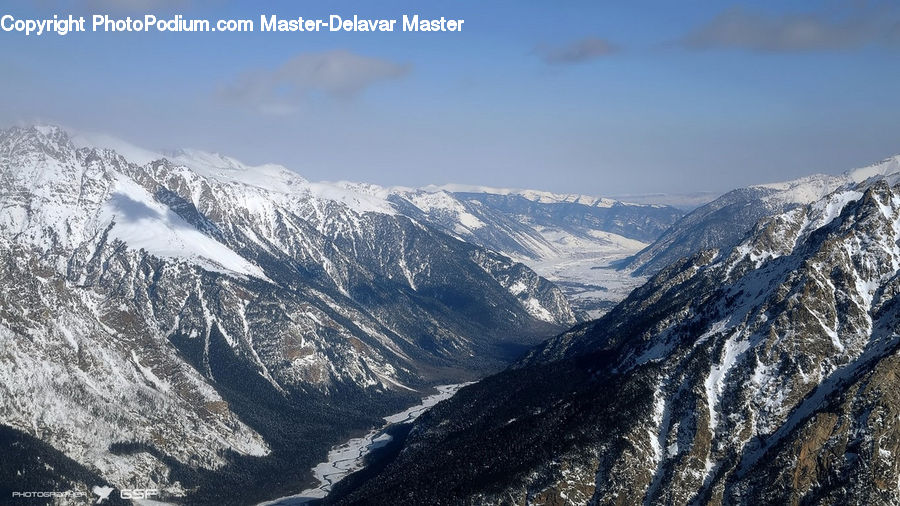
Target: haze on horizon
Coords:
[[573, 97]]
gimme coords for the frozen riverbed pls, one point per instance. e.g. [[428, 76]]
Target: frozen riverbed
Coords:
[[583, 269], [349, 456]]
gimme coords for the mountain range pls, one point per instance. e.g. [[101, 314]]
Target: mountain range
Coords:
[[187, 322], [725, 221], [764, 372], [191, 323]]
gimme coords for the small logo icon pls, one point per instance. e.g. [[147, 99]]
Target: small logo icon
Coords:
[[102, 493]]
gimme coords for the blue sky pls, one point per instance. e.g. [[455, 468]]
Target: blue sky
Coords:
[[593, 97]]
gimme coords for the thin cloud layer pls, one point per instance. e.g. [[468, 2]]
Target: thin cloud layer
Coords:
[[336, 74], [580, 51], [739, 28]]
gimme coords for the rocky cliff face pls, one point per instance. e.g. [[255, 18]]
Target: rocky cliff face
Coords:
[[724, 222], [211, 329], [764, 374]]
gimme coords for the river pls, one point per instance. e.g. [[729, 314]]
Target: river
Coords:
[[349, 456]]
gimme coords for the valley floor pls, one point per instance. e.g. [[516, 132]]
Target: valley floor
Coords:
[[348, 457], [587, 277]]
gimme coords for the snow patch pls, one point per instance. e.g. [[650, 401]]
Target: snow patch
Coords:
[[143, 223]]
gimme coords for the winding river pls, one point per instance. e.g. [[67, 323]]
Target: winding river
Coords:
[[349, 456]]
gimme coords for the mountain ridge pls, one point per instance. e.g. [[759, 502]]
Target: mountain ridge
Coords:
[[761, 374], [723, 222], [167, 329], [568, 239]]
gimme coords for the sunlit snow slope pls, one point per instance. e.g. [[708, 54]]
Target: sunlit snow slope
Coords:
[[207, 327]]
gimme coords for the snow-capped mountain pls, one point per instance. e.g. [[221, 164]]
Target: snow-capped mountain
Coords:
[[761, 374], [686, 201], [571, 240], [723, 222], [537, 225], [209, 328]]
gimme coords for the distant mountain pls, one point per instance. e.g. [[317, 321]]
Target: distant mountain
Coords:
[[723, 222], [569, 239], [763, 374], [686, 201], [209, 328], [575, 215]]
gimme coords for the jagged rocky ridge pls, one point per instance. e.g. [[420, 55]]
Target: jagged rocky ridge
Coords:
[[211, 329], [724, 222], [568, 239], [764, 374]]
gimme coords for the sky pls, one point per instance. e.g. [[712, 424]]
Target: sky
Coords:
[[591, 97]]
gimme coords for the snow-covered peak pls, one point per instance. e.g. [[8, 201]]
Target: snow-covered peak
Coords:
[[809, 189], [49, 131], [209, 162], [129, 151], [47, 139], [533, 195], [226, 169], [441, 202], [356, 196], [270, 177], [887, 167], [803, 190]]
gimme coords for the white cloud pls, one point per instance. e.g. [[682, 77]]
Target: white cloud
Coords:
[[812, 31], [336, 74]]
